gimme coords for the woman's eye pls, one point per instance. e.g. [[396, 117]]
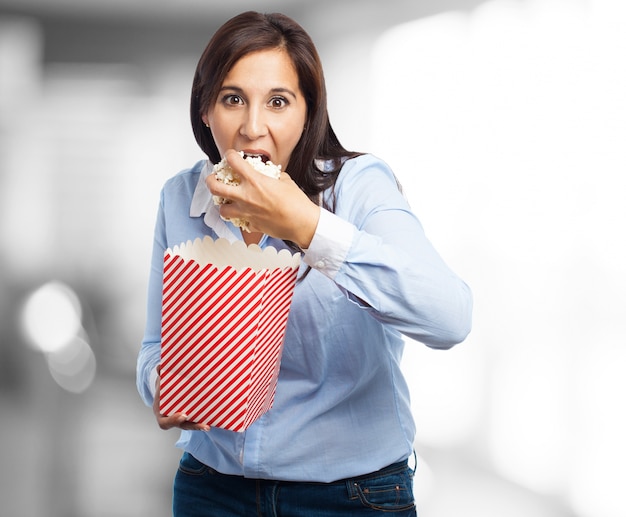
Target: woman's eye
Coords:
[[278, 102], [232, 100]]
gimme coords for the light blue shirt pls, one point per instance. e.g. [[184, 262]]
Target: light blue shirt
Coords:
[[342, 406]]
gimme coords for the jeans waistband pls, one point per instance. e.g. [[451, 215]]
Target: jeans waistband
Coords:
[[389, 469]]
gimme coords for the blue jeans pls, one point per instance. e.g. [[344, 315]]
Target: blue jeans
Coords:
[[200, 491]]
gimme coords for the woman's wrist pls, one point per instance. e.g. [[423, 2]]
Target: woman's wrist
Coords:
[[306, 226]]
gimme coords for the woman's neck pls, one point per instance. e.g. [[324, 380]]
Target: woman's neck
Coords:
[[251, 237]]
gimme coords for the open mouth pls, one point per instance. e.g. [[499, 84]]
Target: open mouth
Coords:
[[264, 158]]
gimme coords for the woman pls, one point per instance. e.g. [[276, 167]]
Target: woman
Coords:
[[338, 437]]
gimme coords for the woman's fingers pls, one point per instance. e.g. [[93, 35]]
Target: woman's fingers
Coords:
[[276, 207], [179, 420]]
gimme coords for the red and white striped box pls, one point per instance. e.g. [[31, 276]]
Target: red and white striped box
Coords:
[[225, 309]]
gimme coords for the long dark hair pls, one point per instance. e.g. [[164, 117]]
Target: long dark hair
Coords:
[[251, 32]]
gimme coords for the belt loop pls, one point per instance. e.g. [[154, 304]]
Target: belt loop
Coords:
[[352, 487]]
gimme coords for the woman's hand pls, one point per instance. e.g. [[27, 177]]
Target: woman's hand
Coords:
[[275, 207], [177, 419]]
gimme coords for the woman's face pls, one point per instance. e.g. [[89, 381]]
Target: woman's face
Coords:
[[259, 108]]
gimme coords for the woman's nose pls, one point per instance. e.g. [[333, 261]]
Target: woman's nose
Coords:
[[254, 124]]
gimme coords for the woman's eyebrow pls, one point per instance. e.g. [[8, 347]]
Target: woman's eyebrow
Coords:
[[278, 89], [284, 90]]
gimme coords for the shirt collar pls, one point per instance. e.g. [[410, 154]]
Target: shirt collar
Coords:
[[202, 203], [202, 194]]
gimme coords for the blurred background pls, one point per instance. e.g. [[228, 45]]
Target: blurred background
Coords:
[[505, 120]]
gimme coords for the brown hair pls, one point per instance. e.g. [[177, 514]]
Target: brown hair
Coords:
[[252, 32]]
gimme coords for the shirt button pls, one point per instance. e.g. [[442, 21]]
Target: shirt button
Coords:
[[320, 264]]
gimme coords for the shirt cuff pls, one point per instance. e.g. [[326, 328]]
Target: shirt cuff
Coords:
[[330, 244]]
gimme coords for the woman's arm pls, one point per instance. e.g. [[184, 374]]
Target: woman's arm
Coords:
[[376, 251]]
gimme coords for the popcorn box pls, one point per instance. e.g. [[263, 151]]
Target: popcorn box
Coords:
[[225, 309]]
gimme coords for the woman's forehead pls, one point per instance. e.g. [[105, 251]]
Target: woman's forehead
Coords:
[[263, 66]]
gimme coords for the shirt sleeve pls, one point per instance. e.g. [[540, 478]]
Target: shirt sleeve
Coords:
[[375, 249], [150, 352]]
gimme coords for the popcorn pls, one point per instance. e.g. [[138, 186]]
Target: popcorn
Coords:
[[224, 173]]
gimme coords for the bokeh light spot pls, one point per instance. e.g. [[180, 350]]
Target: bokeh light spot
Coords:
[[51, 317], [74, 366]]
